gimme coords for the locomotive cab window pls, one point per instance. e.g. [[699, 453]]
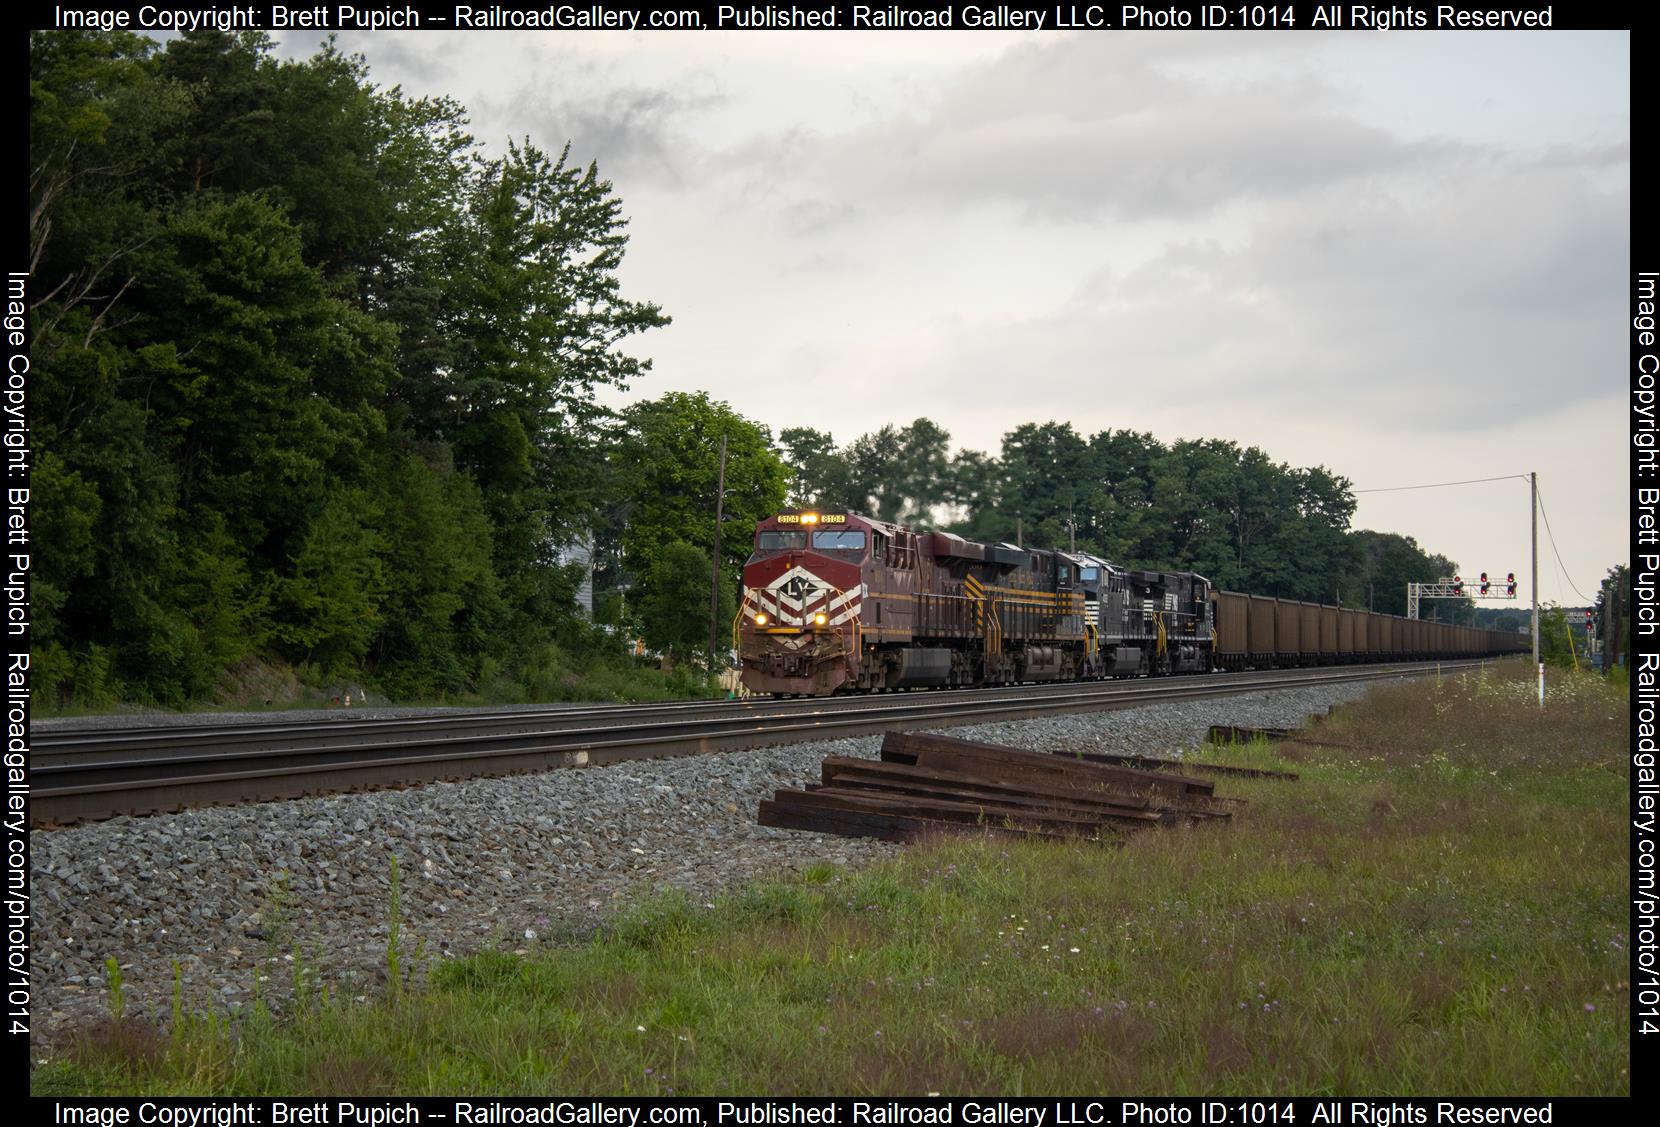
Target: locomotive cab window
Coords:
[[770, 541], [851, 540]]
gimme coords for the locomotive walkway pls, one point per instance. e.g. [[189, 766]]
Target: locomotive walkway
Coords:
[[90, 775]]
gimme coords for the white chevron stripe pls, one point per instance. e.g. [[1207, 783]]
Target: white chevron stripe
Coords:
[[785, 610], [820, 590]]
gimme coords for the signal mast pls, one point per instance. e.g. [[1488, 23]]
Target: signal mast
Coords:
[[1455, 588]]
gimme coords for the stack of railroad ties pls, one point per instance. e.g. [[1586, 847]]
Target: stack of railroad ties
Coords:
[[926, 785]]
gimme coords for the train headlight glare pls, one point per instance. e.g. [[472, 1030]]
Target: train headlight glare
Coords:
[[760, 620], [821, 618]]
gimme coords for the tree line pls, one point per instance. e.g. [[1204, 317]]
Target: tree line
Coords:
[[314, 383], [314, 373], [1246, 522]]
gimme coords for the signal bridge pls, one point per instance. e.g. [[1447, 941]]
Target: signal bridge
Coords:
[[1456, 588]]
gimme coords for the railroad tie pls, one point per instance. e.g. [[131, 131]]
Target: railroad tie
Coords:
[[927, 784]]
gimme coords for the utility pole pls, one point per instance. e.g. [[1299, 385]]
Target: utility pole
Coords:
[[1533, 485], [1533, 480], [714, 576], [1613, 646]]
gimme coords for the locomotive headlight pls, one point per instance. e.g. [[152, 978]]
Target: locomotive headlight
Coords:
[[760, 619], [821, 618]]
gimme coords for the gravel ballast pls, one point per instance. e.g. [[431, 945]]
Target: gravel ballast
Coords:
[[231, 893]]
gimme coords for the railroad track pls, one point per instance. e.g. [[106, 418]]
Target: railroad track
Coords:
[[80, 776]]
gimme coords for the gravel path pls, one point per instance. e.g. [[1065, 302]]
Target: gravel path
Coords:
[[230, 892]]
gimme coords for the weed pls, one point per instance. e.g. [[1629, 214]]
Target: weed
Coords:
[[177, 1008], [117, 989], [394, 931], [301, 982], [820, 872]]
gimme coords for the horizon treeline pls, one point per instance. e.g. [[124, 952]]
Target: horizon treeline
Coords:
[[1233, 514], [314, 377]]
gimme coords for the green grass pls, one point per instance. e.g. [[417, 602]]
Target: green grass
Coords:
[[548, 675], [1436, 906]]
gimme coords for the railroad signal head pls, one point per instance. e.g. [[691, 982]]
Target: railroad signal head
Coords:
[[1458, 584], [1510, 584], [1484, 583]]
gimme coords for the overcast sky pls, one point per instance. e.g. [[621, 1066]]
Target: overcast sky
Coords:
[[1403, 256]]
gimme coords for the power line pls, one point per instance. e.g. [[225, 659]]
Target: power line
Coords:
[[1559, 564], [1479, 480], [1443, 484]]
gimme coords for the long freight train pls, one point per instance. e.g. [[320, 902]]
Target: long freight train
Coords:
[[837, 602]]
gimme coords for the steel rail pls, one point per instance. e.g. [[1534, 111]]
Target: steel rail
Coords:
[[72, 746], [65, 792], [81, 744]]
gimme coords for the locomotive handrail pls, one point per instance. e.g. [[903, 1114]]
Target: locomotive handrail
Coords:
[[737, 623], [853, 616]]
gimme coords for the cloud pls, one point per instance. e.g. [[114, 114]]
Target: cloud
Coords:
[[1067, 130], [634, 120], [1082, 129], [1442, 305], [636, 132]]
